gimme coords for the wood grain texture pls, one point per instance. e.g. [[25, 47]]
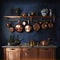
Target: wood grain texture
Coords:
[[29, 53]]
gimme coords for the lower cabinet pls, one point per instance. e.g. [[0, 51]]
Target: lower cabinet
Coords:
[[47, 54], [26, 53], [29, 54], [12, 54]]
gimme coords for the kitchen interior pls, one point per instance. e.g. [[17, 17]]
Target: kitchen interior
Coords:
[[29, 30]]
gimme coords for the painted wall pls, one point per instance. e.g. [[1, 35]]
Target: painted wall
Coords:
[[35, 6]]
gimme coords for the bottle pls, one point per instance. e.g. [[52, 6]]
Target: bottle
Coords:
[[17, 42], [50, 14], [11, 40]]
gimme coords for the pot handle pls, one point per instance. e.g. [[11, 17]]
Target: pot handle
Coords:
[[28, 21]]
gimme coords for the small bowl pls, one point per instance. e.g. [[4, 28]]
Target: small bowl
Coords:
[[44, 12]]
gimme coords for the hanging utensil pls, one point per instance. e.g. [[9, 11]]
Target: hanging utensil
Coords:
[[19, 27], [11, 28], [36, 26], [50, 24], [24, 23], [8, 24], [44, 25], [28, 27], [40, 23]]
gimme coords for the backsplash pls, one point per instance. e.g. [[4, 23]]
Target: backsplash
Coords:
[[35, 6]]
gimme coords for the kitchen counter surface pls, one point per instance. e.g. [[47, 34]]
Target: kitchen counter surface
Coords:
[[50, 46]]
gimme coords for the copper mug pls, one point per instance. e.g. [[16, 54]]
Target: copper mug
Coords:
[[45, 42]]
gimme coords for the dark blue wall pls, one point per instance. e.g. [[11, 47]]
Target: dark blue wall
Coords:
[[35, 6]]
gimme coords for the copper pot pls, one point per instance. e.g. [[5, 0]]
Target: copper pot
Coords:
[[28, 27], [50, 24], [8, 25], [36, 27], [44, 25], [45, 42], [11, 29], [19, 27]]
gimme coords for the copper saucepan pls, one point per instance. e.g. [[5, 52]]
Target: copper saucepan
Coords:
[[36, 26], [19, 27], [50, 24], [11, 27], [8, 25], [44, 25], [28, 27]]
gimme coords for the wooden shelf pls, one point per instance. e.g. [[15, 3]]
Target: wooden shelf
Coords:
[[29, 16], [12, 16]]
